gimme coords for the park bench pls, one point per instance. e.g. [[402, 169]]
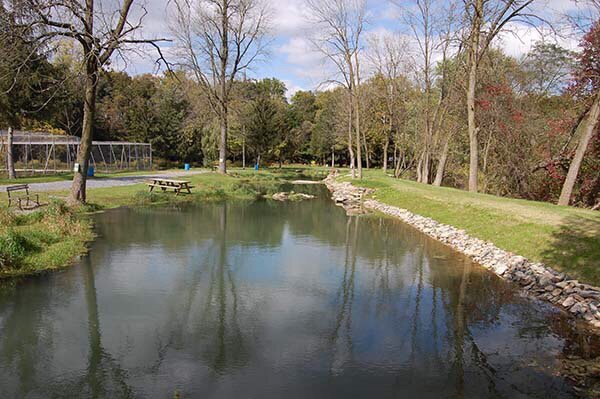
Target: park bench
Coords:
[[29, 198], [167, 184]]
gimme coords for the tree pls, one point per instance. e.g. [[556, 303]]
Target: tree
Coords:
[[388, 54], [99, 36], [485, 19], [548, 67], [218, 40], [586, 85], [340, 25], [264, 124]]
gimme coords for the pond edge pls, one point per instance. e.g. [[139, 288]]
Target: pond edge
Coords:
[[536, 279]]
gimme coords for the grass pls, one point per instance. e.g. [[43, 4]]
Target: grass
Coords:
[[565, 238], [54, 235], [47, 239]]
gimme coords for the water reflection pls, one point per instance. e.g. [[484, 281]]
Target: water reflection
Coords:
[[269, 300]]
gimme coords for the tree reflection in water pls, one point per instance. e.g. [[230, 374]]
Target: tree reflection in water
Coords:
[[276, 300]]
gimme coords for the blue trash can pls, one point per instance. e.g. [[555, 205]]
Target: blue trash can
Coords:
[[186, 166], [90, 171], [256, 167]]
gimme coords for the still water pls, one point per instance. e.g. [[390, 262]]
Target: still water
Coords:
[[275, 300]]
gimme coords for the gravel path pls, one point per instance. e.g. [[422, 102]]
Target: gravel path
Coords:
[[107, 181]]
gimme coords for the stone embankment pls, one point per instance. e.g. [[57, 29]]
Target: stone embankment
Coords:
[[539, 280]]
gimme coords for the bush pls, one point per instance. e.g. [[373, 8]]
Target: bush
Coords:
[[13, 247]]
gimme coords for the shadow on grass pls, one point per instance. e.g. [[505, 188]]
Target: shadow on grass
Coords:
[[575, 249]]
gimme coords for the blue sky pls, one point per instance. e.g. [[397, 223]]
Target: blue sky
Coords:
[[292, 59]]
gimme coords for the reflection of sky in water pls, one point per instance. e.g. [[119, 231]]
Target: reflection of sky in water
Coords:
[[272, 300]]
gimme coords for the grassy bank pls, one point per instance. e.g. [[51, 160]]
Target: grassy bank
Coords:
[[46, 239], [54, 235], [565, 238]]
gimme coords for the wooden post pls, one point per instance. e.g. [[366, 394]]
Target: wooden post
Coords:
[[10, 160]]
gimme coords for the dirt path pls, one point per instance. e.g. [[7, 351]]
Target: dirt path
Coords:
[[106, 181]]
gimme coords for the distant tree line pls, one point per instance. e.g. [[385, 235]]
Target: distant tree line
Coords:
[[475, 119]]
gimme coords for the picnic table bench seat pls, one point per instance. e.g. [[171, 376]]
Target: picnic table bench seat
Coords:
[[28, 197]]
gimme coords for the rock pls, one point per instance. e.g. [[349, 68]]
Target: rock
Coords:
[[556, 292], [546, 279], [292, 196], [570, 301], [589, 294], [577, 308], [562, 284]]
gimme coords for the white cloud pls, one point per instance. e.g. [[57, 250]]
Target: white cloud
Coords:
[[292, 88], [288, 17], [518, 39]]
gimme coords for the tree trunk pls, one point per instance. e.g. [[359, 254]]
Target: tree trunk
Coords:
[[78, 188], [243, 152], [439, 174], [354, 87], [332, 157], [419, 170], [425, 166], [385, 156], [223, 141], [367, 160], [472, 82], [10, 160], [350, 150], [357, 129], [588, 128], [224, 58]]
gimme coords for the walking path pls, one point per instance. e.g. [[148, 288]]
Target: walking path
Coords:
[[106, 181]]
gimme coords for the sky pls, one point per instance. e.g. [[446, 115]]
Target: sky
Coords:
[[292, 59]]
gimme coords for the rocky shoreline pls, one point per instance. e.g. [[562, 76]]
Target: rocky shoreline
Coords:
[[536, 279]]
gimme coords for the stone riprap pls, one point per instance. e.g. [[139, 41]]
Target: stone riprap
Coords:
[[537, 279]]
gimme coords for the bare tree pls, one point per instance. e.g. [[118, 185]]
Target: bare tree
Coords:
[[484, 20], [217, 40], [387, 54], [100, 31], [340, 24]]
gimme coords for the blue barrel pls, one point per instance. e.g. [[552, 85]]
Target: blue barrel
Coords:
[[90, 172], [186, 166], [256, 167]]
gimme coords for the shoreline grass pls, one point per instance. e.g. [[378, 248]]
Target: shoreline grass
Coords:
[[565, 238], [53, 236]]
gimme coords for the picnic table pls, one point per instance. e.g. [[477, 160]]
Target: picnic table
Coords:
[[168, 184]]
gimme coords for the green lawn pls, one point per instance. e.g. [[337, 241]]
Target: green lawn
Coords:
[[565, 238]]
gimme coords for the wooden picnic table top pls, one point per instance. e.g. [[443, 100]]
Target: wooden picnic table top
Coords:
[[159, 179]]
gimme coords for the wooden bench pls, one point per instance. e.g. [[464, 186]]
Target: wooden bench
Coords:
[[30, 198], [168, 184]]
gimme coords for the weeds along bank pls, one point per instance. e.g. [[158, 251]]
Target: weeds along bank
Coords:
[[46, 239], [54, 236]]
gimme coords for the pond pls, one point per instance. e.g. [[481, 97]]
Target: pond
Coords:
[[268, 300]]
